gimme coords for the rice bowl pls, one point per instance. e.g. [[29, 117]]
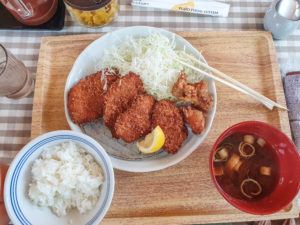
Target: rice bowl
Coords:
[[21, 209]]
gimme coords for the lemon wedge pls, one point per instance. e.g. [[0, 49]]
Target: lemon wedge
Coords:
[[153, 141]]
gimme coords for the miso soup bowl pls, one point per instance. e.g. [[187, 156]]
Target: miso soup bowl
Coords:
[[288, 184]]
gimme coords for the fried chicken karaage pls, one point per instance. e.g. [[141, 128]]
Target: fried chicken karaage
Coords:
[[135, 122], [86, 98], [119, 97], [197, 94], [194, 118], [168, 117]]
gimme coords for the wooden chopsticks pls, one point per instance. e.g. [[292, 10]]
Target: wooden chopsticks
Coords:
[[230, 82]]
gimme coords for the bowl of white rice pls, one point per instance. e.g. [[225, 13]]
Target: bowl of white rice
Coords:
[[61, 177]]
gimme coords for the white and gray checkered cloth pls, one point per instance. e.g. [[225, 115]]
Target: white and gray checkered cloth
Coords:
[[15, 115]]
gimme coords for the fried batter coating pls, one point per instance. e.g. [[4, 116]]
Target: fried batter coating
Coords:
[[86, 98], [194, 118], [168, 117], [196, 94], [119, 97], [135, 122]]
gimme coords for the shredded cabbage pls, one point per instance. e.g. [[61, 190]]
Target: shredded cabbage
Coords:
[[152, 58]]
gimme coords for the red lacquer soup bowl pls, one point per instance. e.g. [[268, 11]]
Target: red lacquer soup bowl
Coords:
[[288, 174]]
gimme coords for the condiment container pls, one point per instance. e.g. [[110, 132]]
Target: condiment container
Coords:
[[282, 18], [93, 13], [31, 12]]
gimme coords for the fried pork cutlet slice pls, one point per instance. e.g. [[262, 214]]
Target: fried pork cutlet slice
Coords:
[[197, 94], [194, 118], [135, 122], [86, 98], [168, 117], [119, 97]]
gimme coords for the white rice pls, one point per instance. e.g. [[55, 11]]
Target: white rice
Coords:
[[65, 176]]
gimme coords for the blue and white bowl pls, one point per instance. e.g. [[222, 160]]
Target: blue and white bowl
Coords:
[[18, 205]]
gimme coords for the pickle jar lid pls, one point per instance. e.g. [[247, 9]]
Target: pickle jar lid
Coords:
[[87, 4]]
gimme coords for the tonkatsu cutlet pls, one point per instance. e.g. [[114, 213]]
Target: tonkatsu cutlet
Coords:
[[135, 122], [119, 97], [86, 98], [168, 117]]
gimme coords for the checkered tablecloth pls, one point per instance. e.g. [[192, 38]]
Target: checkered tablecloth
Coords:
[[15, 115]]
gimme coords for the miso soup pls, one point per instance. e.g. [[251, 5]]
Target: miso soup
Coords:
[[246, 166]]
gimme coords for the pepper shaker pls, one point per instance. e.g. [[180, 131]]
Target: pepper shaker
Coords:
[[282, 18]]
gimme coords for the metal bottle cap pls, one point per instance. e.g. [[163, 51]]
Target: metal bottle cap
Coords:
[[289, 9]]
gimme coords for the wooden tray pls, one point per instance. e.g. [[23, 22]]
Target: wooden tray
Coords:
[[183, 193]]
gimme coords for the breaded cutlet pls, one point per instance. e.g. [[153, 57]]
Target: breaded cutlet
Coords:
[[119, 97], [168, 117], [135, 122], [85, 101]]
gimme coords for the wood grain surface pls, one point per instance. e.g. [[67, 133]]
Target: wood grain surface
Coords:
[[181, 194]]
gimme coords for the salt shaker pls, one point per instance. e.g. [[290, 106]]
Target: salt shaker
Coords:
[[282, 18]]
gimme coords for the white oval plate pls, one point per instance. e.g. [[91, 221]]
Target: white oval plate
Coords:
[[85, 65], [19, 207]]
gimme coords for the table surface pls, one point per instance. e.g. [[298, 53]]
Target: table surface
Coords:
[[15, 115]]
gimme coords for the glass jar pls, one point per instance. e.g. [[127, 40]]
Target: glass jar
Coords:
[[93, 13], [31, 12]]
